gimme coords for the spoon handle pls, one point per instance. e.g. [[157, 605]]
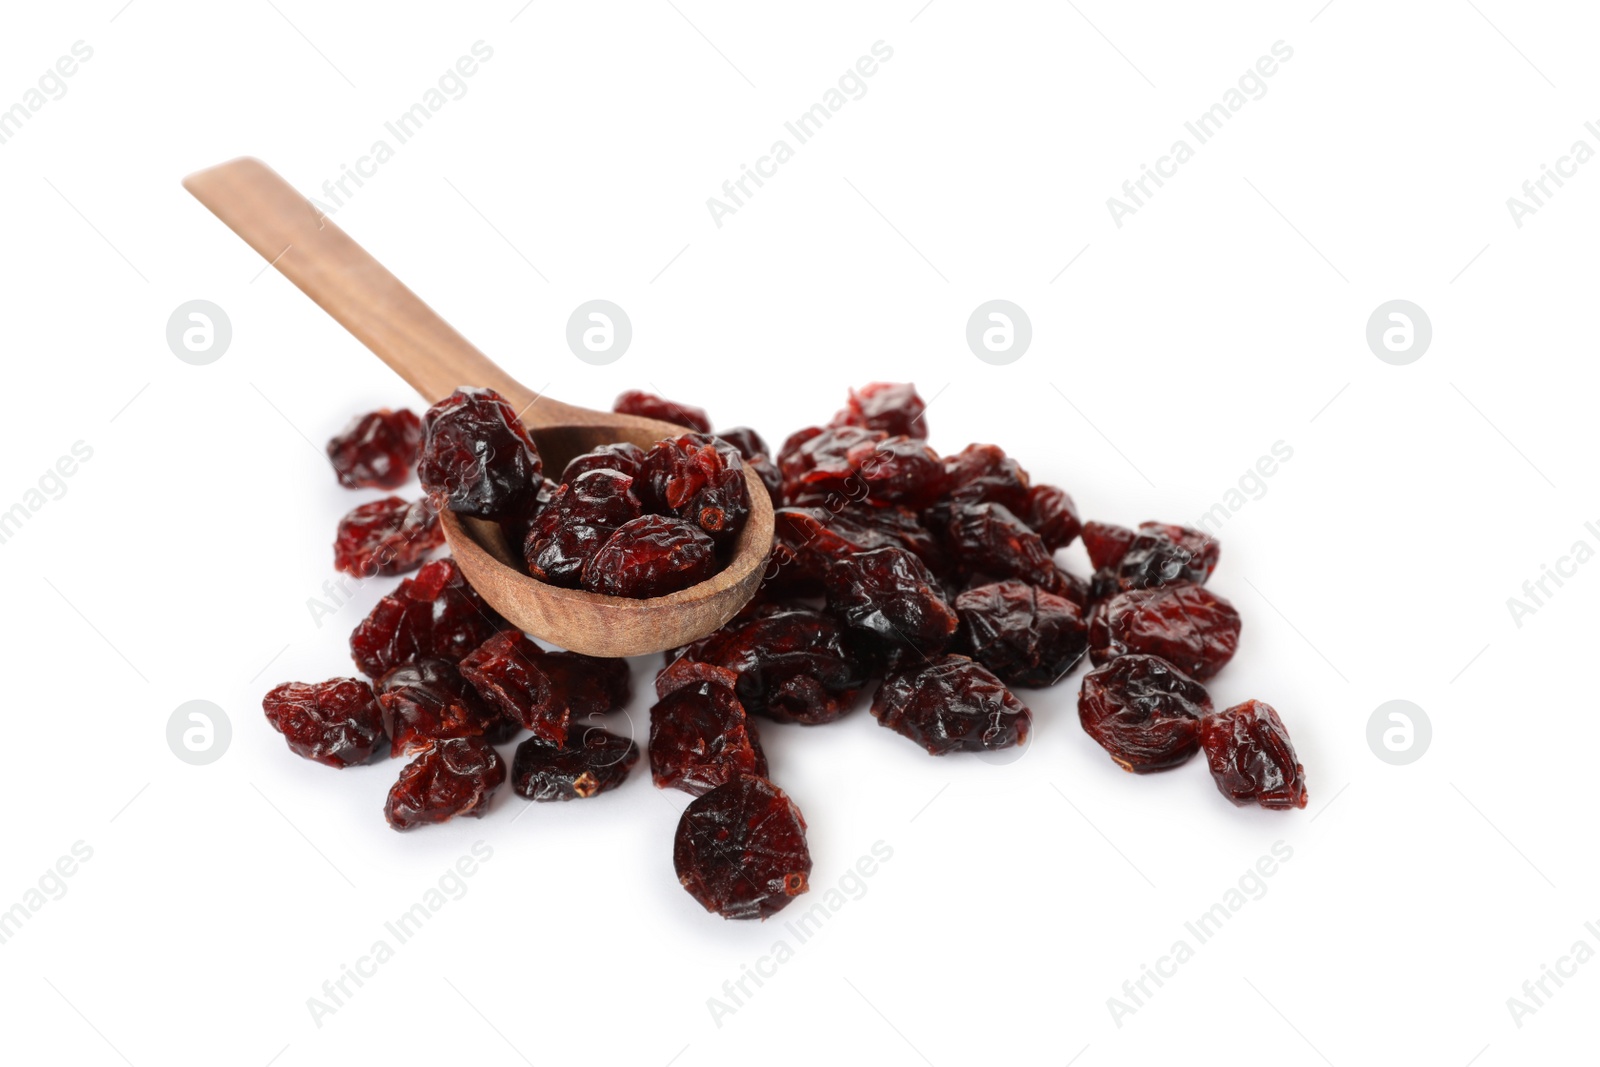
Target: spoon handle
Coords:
[[358, 291]]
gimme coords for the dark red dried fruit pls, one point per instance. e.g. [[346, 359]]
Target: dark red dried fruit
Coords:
[[546, 692], [1025, 635], [740, 849], [388, 536], [1162, 554], [990, 539], [377, 450], [1188, 625], [788, 662], [622, 457], [1251, 757], [650, 406], [753, 450], [593, 761], [433, 613], [1106, 543], [580, 518], [336, 722], [817, 469], [899, 470], [454, 777], [700, 479], [890, 593], [700, 738], [952, 704], [651, 556], [1053, 516], [891, 407], [429, 701], [808, 539], [749, 443], [984, 474], [477, 458], [1144, 711]]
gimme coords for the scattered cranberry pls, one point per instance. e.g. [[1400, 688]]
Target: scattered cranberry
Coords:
[[591, 762], [579, 519], [454, 777], [622, 457], [891, 407], [891, 594], [984, 474], [377, 450], [1188, 625], [336, 722], [1106, 543], [651, 556], [699, 479], [1251, 757], [433, 613], [1053, 516], [650, 406], [1025, 635], [1162, 554], [989, 539], [388, 536], [1144, 711], [478, 459], [952, 705], [430, 701], [700, 738], [741, 849], [545, 691]]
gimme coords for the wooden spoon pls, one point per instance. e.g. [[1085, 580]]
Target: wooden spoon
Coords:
[[428, 353]]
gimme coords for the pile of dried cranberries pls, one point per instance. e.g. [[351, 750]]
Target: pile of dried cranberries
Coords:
[[934, 576]]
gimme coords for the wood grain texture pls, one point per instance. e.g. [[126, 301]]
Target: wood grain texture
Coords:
[[430, 355]]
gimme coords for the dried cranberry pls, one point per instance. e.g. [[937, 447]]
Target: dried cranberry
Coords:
[[433, 613], [699, 479], [899, 470], [749, 443], [622, 457], [429, 701], [890, 593], [1188, 625], [984, 474], [377, 450], [581, 517], [1251, 757], [892, 407], [741, 849], [454, 777], [545, 691], [1144, 711], [1107, 544], [989, 539], [952, 705], [700, 738], [1053, 516], [753, 450], [651, 556], [817, 468], [1162, 554], [1025, 635], [388, 536], [650, 406], [788, 662], [336, 722], [478, 459], [807, 539], [592, 761]]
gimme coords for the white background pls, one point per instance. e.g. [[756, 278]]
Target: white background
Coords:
[[1225, 316]]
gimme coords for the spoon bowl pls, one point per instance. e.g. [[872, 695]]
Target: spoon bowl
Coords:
[[364, 297]]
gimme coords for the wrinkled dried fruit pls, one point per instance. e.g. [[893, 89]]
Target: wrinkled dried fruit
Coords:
[[477, 458], [753, 450], [433, 613], [1144, 711], [1162, 554], [592, 761], [807, 539], [429, 701], [893, 595], [899, 470], [700, 479], [1025, 635], [388, 536], [952, 704], [989, 539], [1053, 516], [336, 722], [651, 556], [650, 406], [1188, 625], [741, 849], [890, 407], [1251, 757], [700, 738], [377, 450], [580, 518], [546, 692], [622, 457], [1106, 543], [984, 474], [788, 662], [454, 777]]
